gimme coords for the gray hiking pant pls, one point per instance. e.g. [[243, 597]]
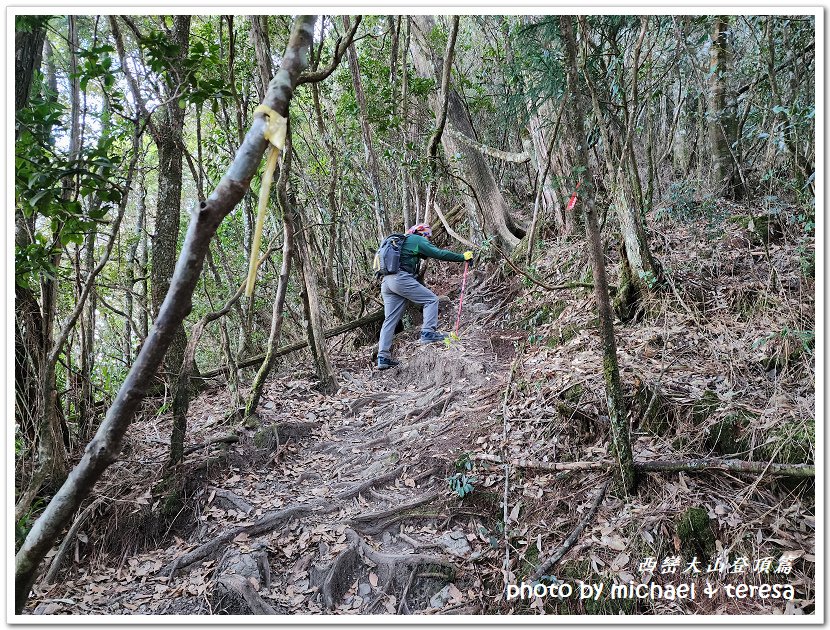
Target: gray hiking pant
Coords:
[[396, 290]]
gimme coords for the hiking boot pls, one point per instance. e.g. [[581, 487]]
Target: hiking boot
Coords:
[[384, 363], [432, 336]]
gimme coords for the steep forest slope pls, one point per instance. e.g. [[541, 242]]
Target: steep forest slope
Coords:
[[348, 503]]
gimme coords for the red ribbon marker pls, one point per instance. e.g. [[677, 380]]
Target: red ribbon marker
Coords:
[[572, 200], [461, 298]]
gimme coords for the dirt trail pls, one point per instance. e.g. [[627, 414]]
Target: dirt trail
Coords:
[[334, 504]]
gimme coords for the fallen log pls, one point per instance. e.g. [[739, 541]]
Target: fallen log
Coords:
[[734, 465], [231, 438], [666, 465], [255, 361]]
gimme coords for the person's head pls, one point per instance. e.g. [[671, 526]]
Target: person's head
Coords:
[[421, 229]]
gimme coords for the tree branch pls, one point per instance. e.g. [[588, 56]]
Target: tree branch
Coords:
[[339, 50]]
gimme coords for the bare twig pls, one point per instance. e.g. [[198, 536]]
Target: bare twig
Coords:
[[573, 536]]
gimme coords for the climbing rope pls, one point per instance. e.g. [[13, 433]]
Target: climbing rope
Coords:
[[276, 128]]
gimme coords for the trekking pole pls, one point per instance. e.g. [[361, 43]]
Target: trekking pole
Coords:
[[461, 297]]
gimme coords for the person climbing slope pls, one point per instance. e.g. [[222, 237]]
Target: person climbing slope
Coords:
[[399, 287]]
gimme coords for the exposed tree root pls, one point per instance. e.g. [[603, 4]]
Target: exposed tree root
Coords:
[[264, 525], [397, 510], [400, 569], [340, 576], [358, 404], [295, 430], [369, 483], [242, 594], [424, 411], [229, 499], [402, 605]]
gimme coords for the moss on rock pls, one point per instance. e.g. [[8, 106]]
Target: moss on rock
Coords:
[[727, 436], [265, 438]]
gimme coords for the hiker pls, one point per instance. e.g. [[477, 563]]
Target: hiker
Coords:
[[399, 287]]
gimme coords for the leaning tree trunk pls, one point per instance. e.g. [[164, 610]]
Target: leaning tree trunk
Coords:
[[620, 438], [104, 448], [498, 220]]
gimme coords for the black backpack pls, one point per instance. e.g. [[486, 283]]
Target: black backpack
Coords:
[[388, 257]]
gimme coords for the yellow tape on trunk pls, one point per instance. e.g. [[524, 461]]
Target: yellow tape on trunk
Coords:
[[275, 130]]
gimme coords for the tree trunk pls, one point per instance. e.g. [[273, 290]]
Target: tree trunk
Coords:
[[333, 217], [262, 49], [169, 141], [639, 271], [30, 38], [311, 303], [378, 203], [168, 207], [104, 448], [132, 258], [406, 131], [476, 171], [440, 120], [51, 459], [620, 438], [722, 121], [276, 316]]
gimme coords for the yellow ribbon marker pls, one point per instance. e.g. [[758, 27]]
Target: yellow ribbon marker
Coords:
[[275, 130]]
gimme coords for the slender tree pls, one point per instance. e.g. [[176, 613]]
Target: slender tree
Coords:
[[106, 444], [620, 438]]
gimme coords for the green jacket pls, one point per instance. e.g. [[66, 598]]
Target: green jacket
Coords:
[[417, 247]]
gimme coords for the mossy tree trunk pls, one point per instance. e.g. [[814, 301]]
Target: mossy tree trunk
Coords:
[[620, 438]]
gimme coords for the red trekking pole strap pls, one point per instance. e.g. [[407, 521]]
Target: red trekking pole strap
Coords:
[[461, 297]]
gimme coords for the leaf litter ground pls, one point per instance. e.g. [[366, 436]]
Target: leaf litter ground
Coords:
[[378, 529]]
